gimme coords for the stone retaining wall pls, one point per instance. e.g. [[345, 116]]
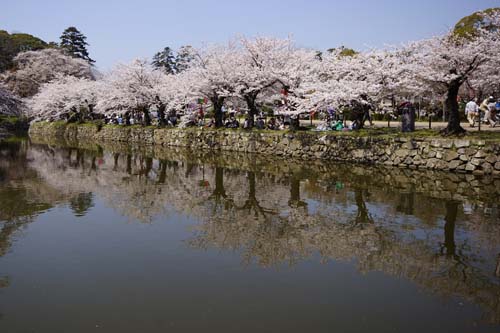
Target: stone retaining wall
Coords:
[[456, 155]]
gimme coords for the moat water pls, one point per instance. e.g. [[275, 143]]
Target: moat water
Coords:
[[129, 239]]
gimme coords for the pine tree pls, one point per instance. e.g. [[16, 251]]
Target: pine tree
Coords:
[[74, 42], [165, 60], [184, 57]]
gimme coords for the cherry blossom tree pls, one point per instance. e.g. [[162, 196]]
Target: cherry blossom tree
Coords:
[[268, 64], [263, 70], [445, 63], [485, 81], [174, 91], [336, 78], [34, 68], [211, 76], [63, 96], [133, 86]]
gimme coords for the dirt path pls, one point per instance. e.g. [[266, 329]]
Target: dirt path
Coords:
[[418, 125]]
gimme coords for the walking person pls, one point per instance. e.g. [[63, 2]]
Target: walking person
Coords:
[[492, 110], [471, 111], [488, 106], [367, 109], [483, 108]]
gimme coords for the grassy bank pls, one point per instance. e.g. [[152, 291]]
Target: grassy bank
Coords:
[[375, 132]]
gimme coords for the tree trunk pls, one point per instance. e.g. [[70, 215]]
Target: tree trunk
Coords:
[[218, 102], [252, 108], [115, 165], [219, 191], [149, 166], [129, 164], [451, 108], [161, 115], [163, 172], [449, 228], [363, 215], [251, 187], [294, 190], [146, 116]]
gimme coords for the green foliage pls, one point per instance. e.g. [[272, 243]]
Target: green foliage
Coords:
[[14, 203], [81, 204], [165, 60], [172, 63], [268, 111], [27, 42], [14, 124], [8, 119], [12, 44], [184, 57], [344, 51], [74, 42], [467, 26]]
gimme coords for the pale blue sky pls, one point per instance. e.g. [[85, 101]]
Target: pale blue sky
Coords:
[[122, 30]]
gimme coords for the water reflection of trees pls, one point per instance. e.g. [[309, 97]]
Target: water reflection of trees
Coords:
[[440, 234], [19, 192]]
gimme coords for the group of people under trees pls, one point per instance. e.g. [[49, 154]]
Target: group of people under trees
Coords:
[[143, 116], [357, 111], [230, 120], [488, 112]]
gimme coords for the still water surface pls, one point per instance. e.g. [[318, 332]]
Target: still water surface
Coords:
[[115, 239]]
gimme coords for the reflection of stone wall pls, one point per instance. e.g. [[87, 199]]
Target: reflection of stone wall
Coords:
[[457, 155], [431, 183]]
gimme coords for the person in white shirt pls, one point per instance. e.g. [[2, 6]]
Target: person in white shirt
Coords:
[[471, 111]]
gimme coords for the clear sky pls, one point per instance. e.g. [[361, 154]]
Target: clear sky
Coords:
[[119, 31]]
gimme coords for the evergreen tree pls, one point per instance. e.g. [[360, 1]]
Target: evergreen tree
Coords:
[[74, 42], [165, 60], [184, 58], [171, 62]]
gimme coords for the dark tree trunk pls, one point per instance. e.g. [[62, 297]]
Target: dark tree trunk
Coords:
[[449, 228], [251, 201], [363, 215], [162, 175], [127, 119], [294, 190], [149, 166], [116, 156], [147, 117], [129, 164], [161, 115], [451, 108], [80, 158], [251, 187], [252, 108], [219, 191], [218, 102]]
